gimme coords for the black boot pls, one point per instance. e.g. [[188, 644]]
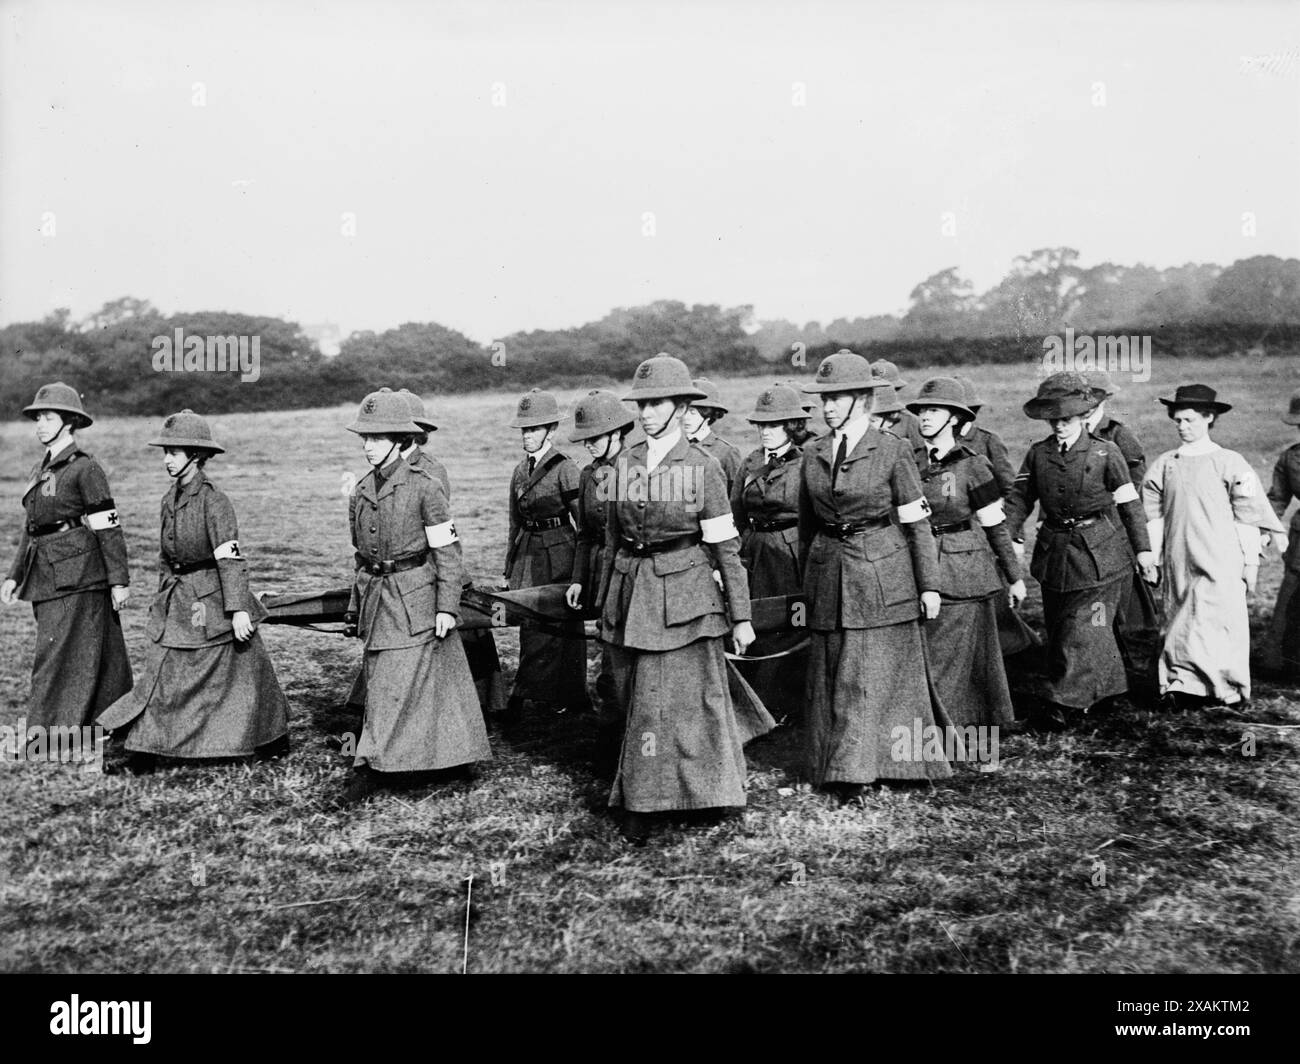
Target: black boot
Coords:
[[512, 716], [363, 786], [635, 828]]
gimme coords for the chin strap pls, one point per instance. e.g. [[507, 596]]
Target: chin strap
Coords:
[[181, 472]]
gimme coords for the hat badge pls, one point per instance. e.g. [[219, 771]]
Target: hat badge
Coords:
[[767, 398], [171, 420], [824, 370], [644, 371], [525, 403], [582, 416], [369, 405]]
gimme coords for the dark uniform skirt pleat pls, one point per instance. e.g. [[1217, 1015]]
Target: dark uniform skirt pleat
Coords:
[[553, 668], [81, 667], [1083, 659], [863, 684], [968, 670], [683, 748], [422, 711], [1137, 625], [221, 701], [1014, 635]]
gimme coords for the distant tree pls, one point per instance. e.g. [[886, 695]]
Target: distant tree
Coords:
[[1183, 296], [941, 306], [117, 311], [1039, 296], [1264, 290]]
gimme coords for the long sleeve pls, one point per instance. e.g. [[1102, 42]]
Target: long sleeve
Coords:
[[913, 511], [1120, 485], [582, 550], [1023, 497], [807, 516], [512, 539], [1153, 504], [444, 544], [1004, 473], [1281, 490], [354, 602], [102, 519], [715, 518], [232, 568], [1131, 448], [1246, 493], [18, 570]]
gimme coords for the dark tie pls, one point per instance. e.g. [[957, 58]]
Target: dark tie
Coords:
[[771, 456], [532, 464], [934, 455], [45, 461], [1064, 447], [841, 453]]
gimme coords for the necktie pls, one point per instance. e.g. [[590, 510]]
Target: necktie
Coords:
[[45, 461], [934, 455], [841, 453], [771, 456], [1064, 447], [532, 464]]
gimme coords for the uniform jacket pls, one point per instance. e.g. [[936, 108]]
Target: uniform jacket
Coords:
[[195, 609], [388, 523], [957, 487], [665, 601], [766, 492], [422, 459], [53, 565], [1286, 483], [989, 444], [594, 493], [1075, 485], [908, 427], [872, 579], [1121, 436], [722, 452], [551, 491]]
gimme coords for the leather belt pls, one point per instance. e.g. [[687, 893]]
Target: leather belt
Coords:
[[855, 528], [1069, 524], [779, 525], [663, 546], [956, 526], [543, 524], [393, 565], [50, 529], [191, 567]]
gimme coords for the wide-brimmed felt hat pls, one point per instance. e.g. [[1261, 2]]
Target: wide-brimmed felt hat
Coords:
[[187, 429], [843, 371], [418, 414], [712, 399], [383, 412], [779, 402], [946, 392], [1292, 416], [663, 377], [1196, 395], [536, 408], [887, 371], [1063, 395], [973, 399], [598, 413], [59, 397]]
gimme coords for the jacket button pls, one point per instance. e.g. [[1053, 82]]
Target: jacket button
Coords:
[[640, 506], [373, 528]]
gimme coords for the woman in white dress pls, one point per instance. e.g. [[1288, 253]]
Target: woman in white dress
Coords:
[[1208, 519]]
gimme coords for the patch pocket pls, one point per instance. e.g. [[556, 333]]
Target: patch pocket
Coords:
[[415, 586], [1097, 540], [75, 558], [689, 588]]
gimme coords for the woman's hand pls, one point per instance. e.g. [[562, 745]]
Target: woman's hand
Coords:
[[742, 634], [574, 596], [7, 590], [1149, 567], [242, 625], [930, 604], [443, 624], [1250, 574], [120, 594], [1016, 594]]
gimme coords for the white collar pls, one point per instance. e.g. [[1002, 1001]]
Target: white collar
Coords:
[[657, 447], [406, 454], [943, 451], [702, 433], [539, 455], [1069, 443], [854, 431], [1204, 445], [55, 451], [968, 429], [776, 452], [1094, 419]]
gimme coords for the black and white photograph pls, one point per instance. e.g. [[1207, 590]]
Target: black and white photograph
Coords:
[[528, 488]]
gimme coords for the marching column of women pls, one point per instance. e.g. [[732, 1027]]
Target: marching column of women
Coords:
[[897, 538]]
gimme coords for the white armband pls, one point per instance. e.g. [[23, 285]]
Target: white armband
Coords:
[[991, 515], [1156, 534], [911, 512], [443, 535], [718, 529], [1248, 537], [229, 549], [97, 522], [1124, 493]]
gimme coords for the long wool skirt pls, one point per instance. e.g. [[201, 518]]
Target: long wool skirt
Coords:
[[81, 667], [966, 662], [1137, 625], [553, 668], [221, 701], [683, 746], [1084, 664], [484, 665], [868, 689], [1014, 635], [422, 711], [1283, 651]]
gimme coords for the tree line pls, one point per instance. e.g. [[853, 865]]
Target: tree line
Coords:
[[113, 355]]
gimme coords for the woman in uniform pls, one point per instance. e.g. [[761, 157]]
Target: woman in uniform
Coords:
[[1207, 516], [601, 423], [71, 566], [765, 501], [543, 518], [869, 574], [211, 690], [422, 712], [1283, 652], [901, 421], [973, 544], [664, 616], [698, 424], [1092, 527]]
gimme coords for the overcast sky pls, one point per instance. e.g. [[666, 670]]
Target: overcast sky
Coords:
[[501, 159]]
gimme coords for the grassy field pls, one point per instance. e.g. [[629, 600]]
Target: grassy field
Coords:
[[1141, 841]]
